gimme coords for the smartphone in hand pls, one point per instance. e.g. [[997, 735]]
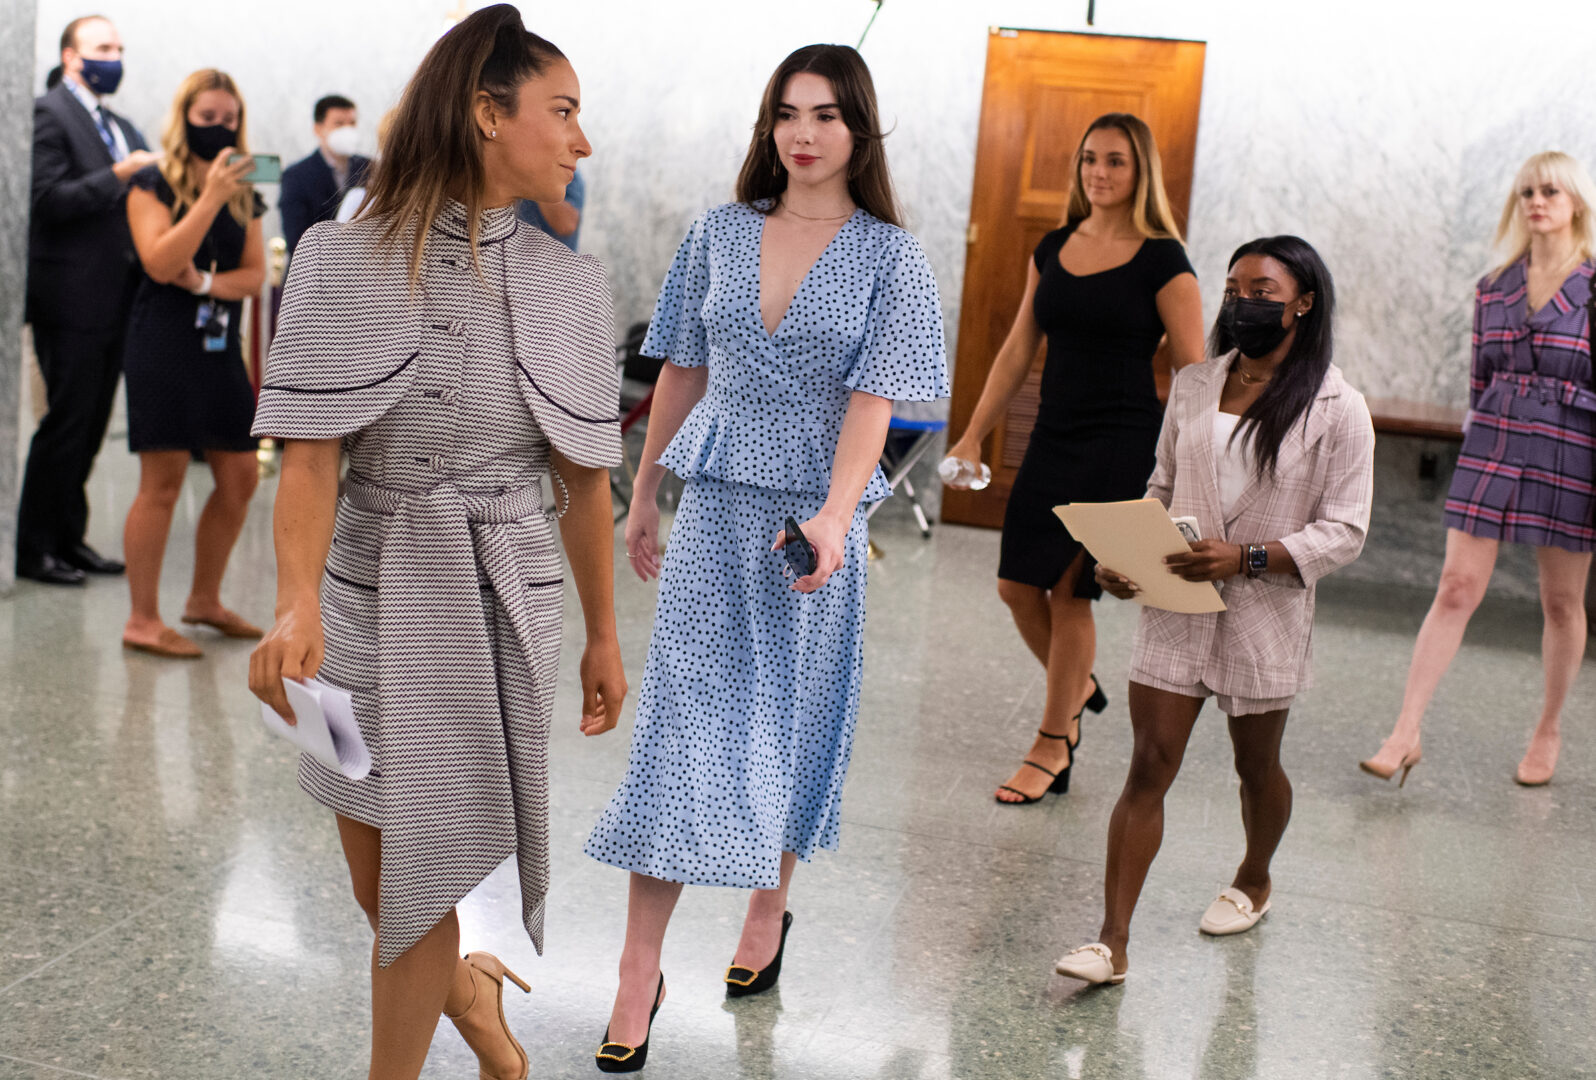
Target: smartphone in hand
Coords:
[[268, 168], [799, 552]]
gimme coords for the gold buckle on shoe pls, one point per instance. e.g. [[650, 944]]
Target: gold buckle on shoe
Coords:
[[752, 975], [630, 1050]]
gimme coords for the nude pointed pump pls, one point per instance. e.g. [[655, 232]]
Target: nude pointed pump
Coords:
[[491, 969], [1409, 759]]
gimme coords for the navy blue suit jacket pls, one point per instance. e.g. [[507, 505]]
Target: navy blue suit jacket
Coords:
[[311, 194], [82, 268]]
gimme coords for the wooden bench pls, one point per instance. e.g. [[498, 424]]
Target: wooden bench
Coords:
[[1398, 416]]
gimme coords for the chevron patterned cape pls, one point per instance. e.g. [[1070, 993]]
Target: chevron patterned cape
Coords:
[[442, 597]]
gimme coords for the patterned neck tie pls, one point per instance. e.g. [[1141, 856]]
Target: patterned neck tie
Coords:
[[103, 122]]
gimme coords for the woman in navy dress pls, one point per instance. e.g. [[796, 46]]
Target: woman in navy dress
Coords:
[[196, 226], [1105, 289], [1527, 470], [792, 319]]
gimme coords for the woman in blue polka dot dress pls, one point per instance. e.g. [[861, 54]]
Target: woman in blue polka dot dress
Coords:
[[792, 319]]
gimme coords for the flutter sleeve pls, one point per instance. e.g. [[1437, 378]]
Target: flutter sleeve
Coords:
[[345, 344], [903, 357], [676, 332]]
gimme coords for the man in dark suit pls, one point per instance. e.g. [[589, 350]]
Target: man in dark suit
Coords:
[[82, 272], [313, 188]]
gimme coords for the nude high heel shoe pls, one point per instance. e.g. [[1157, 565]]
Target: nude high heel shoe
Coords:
[[1374, 767], [485, 967]]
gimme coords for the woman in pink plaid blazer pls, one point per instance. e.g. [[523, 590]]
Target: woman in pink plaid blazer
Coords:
[[1270, 449], [1527, 471]]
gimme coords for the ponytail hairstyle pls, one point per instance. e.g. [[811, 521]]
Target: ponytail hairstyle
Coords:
[[764, 176], [433, 142], [1151, 214], [1295, 385]]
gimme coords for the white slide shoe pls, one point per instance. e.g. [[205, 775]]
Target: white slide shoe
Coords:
[[1092, 963], [1231, 913]]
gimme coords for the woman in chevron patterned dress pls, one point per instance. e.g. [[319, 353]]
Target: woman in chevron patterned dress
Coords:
[[457, 358], [1527, 470]]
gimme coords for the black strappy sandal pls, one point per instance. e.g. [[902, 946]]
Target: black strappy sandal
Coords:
[[1097, 702]]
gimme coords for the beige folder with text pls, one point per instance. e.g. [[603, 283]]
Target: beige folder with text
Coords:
[[1132, 538]]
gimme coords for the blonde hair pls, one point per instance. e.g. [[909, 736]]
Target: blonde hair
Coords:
[[1512, 240], [180, 167], [1151, 214]]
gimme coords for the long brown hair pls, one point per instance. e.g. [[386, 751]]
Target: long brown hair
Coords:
[[869, 181], [180, 167], [1151, 214], [433, 142]]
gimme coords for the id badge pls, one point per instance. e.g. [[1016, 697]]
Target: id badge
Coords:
[[211, 320]]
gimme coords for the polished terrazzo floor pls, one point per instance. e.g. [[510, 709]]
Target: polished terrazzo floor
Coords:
[[172, 906]]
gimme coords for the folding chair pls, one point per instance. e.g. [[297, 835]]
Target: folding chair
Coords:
[[923, 435]]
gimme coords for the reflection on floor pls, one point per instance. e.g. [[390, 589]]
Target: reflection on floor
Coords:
[[172, 906]]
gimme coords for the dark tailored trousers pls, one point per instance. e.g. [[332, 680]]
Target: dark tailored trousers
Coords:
[[80, 369]]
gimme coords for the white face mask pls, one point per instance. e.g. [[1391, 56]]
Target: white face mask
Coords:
[[344, 141]]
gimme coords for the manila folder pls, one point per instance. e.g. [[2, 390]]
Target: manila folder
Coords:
[[1132, 538]]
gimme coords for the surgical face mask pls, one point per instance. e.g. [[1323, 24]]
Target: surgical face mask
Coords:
[[1254, 325], [206, 142], [343, 141], [102, 76]]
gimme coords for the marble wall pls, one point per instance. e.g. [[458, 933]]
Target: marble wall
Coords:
[[1384, 135], [16, 122]]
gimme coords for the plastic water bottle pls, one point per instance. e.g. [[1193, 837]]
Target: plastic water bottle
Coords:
[[958, 473]]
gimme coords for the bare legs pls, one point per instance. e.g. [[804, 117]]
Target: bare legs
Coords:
[[409, 995], [221, 521], [1057, 627], [1162, 723], [149, 522], [1563, 575], [648, 913], [1464, 577]]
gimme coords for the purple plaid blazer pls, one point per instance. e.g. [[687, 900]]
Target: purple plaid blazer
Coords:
[[1527, 470], [1316, 503]]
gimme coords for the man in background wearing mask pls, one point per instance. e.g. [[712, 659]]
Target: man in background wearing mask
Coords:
[[82, 272], [313, 188]]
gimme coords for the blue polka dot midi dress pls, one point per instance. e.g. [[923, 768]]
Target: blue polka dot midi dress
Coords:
[[746, 714]]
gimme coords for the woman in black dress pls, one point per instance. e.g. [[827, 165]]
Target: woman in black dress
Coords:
[[1105, 289], [196, 226]]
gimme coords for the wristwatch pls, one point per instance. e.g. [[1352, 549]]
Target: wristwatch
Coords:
[[1257, 560]]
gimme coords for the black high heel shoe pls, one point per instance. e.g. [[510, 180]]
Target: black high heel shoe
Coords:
[[614, 1057], [1097, 702], [742, 981]]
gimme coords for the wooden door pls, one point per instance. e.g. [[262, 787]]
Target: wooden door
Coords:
[[1042, 90]]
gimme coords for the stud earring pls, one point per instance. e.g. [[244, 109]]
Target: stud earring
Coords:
[[493, 134]]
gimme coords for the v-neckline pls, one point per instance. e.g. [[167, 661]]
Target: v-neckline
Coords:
[[759, 276]]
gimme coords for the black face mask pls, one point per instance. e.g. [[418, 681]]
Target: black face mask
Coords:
[[1254, 325], [206, 142]]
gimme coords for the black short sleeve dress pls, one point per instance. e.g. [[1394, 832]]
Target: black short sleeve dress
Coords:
[[1097, 425], [179, 395]]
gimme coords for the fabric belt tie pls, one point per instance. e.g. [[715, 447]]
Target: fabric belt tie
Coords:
[[443, 738], [1561, 391]]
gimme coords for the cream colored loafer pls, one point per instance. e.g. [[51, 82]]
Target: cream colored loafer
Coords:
[[1231, 913], [1092, 963]]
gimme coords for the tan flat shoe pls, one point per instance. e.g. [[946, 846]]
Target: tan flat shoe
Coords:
[[1092, 963], [1231, 913], [170, 644], [1538, 773], [230, 625], [489, 969]]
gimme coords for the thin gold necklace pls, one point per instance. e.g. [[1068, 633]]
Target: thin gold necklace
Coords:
[[1250, 380], [806, 217]]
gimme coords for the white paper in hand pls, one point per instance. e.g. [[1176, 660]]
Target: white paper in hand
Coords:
[[326, 727]]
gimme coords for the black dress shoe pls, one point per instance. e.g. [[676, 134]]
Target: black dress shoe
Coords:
[[90, 561], [50, 570], [743, 982]]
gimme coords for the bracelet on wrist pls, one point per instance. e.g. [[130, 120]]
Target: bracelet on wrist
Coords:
[[207, 279]]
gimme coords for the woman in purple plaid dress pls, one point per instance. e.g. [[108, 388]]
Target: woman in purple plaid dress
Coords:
[[1526, 471]]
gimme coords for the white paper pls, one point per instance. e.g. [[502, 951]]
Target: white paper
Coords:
[[1132, 538], [326, 728]]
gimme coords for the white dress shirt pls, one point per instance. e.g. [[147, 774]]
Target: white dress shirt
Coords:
[[91, 101]]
